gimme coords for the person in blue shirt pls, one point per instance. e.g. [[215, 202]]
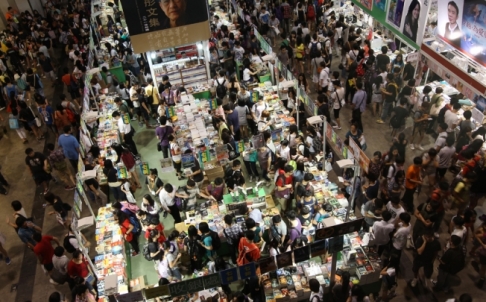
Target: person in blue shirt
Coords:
[[70, 147], [47, 114], [207, 241]]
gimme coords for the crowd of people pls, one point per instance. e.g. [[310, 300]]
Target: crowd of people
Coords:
[[307, 39]]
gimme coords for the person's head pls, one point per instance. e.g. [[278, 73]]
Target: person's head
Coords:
[[452, 12], [439, 90], [308, 176], [228, 219], [465, 298], [288, 170], [37, 237], [203, 227], [55, 297], [314, 285], [386, 215], [442, 127], [378, 203], [81, 290], [116, 115], [29, 152], [276, 219], [458, 221], [190, 183], [250, 235], [429, 235], [147, 200], [16, 205], [404, 217], [358, 292], [236, 164], [359, 85], [417, 161], [192, 231], [59, 251], [384, 50], [455, 241], [470, 176], [390, 78], [174, 10]]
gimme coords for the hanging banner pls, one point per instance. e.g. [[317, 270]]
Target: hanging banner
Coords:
[[462, 24], [409, 17], [380, 4], [367, 3], [161, 24]]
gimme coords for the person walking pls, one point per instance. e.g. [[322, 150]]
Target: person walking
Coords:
[[168, 203], [359, 105], [232, 232], [44, 252], [163, 131], [70, 147], [3, 252], [38, 166], [412, 180], [427, 247], [57, 162], [126, 132], [451, 263]]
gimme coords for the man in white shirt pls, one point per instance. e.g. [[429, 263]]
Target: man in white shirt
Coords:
[[395, 208], [60, 261], [381, 230], [451, 118], [166, 197], [217, 22], [441, 138], [126, 131], [264, 16], [136, 105], [256, 215], [324, 78], [399, 239]]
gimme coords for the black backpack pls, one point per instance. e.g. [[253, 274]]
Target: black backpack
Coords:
[[67, 245], [302, 237], [146, 253], [314, 51], [196, 252], [306, 150], [216, 241], [441, 116], [221, 89]]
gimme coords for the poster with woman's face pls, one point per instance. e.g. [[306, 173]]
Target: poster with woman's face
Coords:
[[409, 17]]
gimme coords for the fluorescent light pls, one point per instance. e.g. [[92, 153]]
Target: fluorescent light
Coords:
[[199, 46], [152, 55]]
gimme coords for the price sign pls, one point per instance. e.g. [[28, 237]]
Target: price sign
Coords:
[[318, 248], [267, 265], [194, 285], [284, 259], [339, 229], [177, 289], [211, 281], [155, 292], [229, 275], [247, 270], [301, 254], [336, 244]]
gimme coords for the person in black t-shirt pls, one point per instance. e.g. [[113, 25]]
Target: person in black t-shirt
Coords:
[[427, 248], [399, 115], [408, 71], [38, 164], [95, 192], [153, 245], [382, 60]]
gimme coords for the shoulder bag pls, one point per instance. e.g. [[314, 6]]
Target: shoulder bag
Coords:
[[38, 122]]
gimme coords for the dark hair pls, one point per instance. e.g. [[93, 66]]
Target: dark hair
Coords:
[[191, 231], [168, 188], [16, 205], [37, 236], [59, 251], [456, 240], [417, 160], [228, 219], [203, 227], [458, 220], [149, 198], [250, 223], [405, 217], [250, 235], [358, 291], [453, 4], [314, 285], [55, 297], [386, 215], [276, 219]]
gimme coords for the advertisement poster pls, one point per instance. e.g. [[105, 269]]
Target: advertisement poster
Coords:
[[367, 3], [409, 17], [161, 24], [462, 23], [380, 4]]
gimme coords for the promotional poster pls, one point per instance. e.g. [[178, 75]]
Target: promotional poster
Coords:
[[409, 17], [367, 3], [380, 4], [161, 24], [462, 23]]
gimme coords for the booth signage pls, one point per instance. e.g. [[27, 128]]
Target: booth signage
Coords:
[[409, 18], [178, 289], [194, 285], [267, 265], [461, 24], [318, 248], [156, 292], [161, 24], [229, 275], [284, 259], [247, 270], [380, 4], [211, 281], [336, 244], [339, 229], [301, 254]]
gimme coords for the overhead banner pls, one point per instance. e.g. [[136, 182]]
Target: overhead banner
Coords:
[[462, 24], [409, 17], [161, 24]]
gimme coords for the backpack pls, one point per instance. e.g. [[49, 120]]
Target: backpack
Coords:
[[317, 144], [195, 250], [243, 255], [314, 51], [275, 234], [306, 150], [311, 12], [136, 224], [302, 237], [441, 116], [67, 245], [360, 71], [146, 253], [395, 122], [10, 90], [287, 11], [216, 241], [70, 115], [221, 89]]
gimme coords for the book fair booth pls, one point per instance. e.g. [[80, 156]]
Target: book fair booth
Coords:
[[335, 244]]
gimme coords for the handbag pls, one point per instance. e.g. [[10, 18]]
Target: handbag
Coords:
[[38, 122], [13, 123], [283, 193]]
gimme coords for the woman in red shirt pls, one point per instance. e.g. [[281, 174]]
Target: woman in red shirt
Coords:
[[78, 267], [159, 227], [128, 231]]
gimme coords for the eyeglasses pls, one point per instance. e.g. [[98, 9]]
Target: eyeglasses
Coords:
[[167, 2]]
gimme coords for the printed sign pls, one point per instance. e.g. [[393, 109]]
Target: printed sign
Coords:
[[318, 248], [339, 229], [409, 17], [229, 275], [211, 281], [301, 254], [162, 24], [267, 265], [247, 270]]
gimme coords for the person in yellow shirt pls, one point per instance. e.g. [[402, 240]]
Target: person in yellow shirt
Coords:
[[152, 95], [299, 55]]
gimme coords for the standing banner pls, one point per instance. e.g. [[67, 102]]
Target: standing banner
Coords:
[[161, 24], [461, 23], [409, 17]]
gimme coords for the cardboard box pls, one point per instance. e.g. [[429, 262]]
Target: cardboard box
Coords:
[[137, 284], [214, 173]]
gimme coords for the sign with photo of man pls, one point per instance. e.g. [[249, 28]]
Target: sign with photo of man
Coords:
[[161, 24]]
